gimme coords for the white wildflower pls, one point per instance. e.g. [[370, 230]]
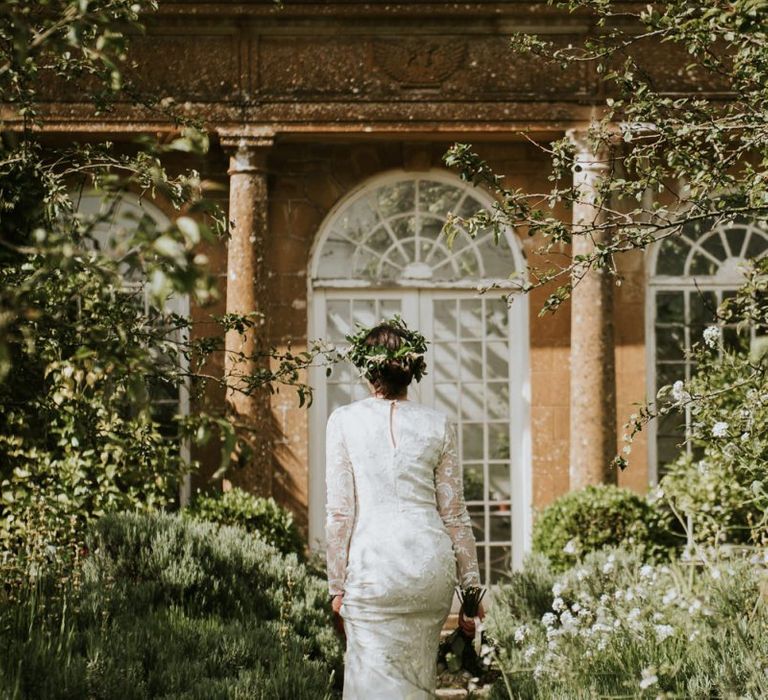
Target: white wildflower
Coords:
[[567, 620], [711, 336], [744, 437], [558, 604], [571, 547], [679, 394], [521, 633], [669, 596], [557, 589], [694, 607], [646, 571], [664, 632], [633, 614], [581, 574], [649, 678], [608, 567], [720, 429], [529, 653], [715, 573], [548, 619]]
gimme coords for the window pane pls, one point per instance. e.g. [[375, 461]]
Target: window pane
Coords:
[[471, 361], [473, 482], [477, 515], [447, 400], [501, 563], [497, 396], [499, 482], [670, 307], [472, 447], [500, 528], [444, 362], [497, 360], [472, 402], [703, 307], [445, 316], [471, 318], [498, 440], [670, 342]]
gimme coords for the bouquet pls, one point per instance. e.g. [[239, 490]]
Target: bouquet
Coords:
[[458, 651]]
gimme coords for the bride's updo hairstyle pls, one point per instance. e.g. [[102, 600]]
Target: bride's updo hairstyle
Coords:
[[389, 356]]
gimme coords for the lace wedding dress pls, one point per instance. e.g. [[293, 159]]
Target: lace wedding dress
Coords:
[[397, 533]]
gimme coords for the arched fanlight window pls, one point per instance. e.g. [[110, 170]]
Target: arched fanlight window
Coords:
[[391, 234], [109, 220], [690, 275]]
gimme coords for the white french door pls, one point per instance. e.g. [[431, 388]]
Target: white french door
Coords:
[[476, 374]]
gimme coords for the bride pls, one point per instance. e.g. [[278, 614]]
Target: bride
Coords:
[[397, 529]]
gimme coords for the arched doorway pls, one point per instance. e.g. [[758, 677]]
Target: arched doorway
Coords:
[[380, 252]]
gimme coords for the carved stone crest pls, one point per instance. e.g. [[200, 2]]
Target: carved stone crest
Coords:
[[419, 62]]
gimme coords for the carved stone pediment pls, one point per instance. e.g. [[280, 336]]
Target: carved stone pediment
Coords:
[[419, 62]]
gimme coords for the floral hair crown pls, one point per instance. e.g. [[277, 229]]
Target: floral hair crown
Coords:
[[368, 358]]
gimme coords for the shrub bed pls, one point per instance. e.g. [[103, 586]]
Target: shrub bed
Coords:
[[615, 626], [166, 607], [253, 513], [599, 516]]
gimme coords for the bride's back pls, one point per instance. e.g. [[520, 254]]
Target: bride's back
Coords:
[[394, 447]]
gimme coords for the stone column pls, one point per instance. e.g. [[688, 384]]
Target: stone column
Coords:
[[593, 371], [246, 294]]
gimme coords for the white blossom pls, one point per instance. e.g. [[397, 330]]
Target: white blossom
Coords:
[[557, 589], [571, 547], [664, 632], [669, 596], [648, 678], [548, 619], [679, 394], [646, 571], [712, 336], [520, 634], [558, 604], [720, 429]]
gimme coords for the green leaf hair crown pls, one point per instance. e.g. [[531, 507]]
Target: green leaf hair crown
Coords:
[[368, 358]]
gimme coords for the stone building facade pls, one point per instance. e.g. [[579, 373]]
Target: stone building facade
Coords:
[[328, 123]]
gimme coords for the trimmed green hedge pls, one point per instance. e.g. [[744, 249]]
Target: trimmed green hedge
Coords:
[[598, 516], [253, 513]]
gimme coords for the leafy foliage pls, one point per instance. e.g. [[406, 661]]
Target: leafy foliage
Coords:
[[666, 160], [599, 516], [87, 341], [256, 514], [615, 626], [722, 488], [167, 607]]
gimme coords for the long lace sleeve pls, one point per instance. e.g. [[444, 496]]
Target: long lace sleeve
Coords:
[[449, 485], [340, 504]]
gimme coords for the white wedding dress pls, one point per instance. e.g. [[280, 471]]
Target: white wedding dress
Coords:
[[397, 532]]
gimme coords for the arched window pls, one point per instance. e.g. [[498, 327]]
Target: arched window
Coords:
[[381, 252], [690, 275], [390, 233], [113, 218]]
